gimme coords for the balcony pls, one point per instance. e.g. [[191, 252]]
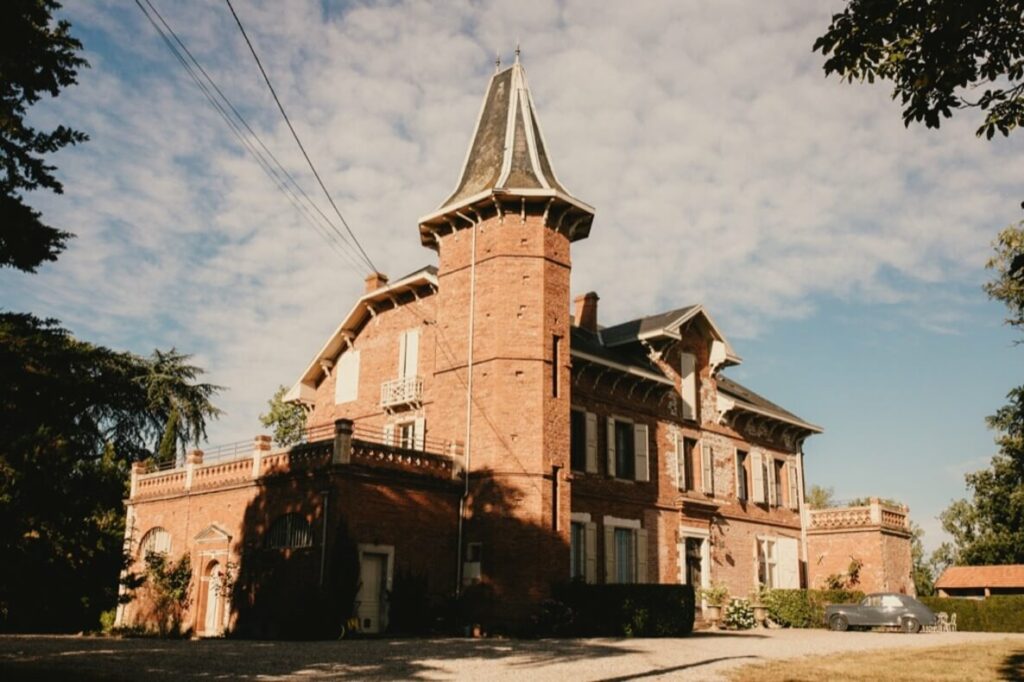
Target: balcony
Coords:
[[401, 392], [875, 514]]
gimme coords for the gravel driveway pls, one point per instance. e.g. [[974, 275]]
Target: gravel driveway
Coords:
[[700, 656]]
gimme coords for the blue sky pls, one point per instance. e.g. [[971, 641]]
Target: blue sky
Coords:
[[841, 253]]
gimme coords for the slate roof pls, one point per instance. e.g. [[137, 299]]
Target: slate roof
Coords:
[[762, 404], [629, 331], [1011, 575]]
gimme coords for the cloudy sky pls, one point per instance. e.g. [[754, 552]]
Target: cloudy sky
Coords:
[[842, 253]]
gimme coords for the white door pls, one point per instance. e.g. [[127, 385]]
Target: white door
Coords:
[[373, 570], [212, 601]]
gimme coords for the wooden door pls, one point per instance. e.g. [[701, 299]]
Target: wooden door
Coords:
[[373, 569]]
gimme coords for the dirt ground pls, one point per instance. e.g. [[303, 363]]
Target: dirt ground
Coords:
[[703, 656]]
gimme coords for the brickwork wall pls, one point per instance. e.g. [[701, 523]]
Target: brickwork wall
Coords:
[[830, 553]]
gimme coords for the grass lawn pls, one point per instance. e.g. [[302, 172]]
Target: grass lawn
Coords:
[[999, 660]]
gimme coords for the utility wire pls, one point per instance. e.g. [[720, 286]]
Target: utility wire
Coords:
[[296, 135], [241, 119], [275, 176]]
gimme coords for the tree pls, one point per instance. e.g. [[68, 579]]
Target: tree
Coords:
[[934, 51], [178, 405], [287, 419], [921, 571], [989, 527], [72, 417], [36, 57], [820, 498]]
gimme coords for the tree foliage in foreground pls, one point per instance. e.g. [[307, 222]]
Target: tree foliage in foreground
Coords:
[[37, 57], [288, 420], [72, 417], [988, 528], [940, 55]]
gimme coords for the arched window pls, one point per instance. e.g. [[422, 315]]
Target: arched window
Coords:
[[156, 540], [290, 530]]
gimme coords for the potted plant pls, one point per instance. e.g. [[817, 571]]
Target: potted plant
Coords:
[[759, 602], [716, 596]]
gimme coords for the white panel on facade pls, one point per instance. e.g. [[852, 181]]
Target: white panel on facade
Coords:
[[418, 434], [410, 354], [707, 469], [794, 497], [641, 555], [590, 553], [346, 379], [688, 387], [611, 446], [787, 556]]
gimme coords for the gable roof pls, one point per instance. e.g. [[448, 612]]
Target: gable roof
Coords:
[[666, 324], [1011, 575], [303, 390]]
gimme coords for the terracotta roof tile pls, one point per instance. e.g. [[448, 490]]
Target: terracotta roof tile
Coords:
[[1011, 575]]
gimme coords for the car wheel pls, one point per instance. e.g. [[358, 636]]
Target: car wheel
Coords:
[[910, 625], [839, 623]]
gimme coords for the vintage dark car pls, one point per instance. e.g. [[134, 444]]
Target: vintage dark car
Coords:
[[880, 610]]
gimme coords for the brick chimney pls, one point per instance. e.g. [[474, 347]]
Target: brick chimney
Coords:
[[375, 281], [585, 311]]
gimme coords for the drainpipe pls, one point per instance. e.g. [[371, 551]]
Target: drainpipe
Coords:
[[323, 536], [469, 412]]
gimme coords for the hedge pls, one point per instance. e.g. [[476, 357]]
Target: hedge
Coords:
[[578, 609], [805, 608], [1001, 613]]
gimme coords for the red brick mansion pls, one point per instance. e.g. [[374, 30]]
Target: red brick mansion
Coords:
[[474, 425]]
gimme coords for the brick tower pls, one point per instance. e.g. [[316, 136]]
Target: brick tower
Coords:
[[503, 245]]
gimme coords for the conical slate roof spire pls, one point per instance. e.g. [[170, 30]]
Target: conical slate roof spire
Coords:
[[507, 157]]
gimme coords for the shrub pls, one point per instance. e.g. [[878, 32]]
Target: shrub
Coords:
[[1001, 613], [107, 621], [617, 610], [716, 594], [739, 614], [805, 608]]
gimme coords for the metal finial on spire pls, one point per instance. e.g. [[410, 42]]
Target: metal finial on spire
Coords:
[[497, 61], [517, 50]]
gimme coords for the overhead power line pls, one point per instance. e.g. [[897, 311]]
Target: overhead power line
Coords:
[[279, 175], [295, 134]]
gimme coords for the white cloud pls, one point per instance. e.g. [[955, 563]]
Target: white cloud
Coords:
[[721, 161]]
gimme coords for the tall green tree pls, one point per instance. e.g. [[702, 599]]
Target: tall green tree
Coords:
[[286, 419], [940, 55], [38, 56], [177, 402]]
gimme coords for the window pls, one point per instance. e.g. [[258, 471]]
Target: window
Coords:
[[742, 486], [628, 450], [346, 377], [289, 531], [777, 480], [578, 550], [407, 434], [625, 556], [767, 565], [578, 439], [625, 463], [155, 541], [686, 463], [625, 551], [688, 385]]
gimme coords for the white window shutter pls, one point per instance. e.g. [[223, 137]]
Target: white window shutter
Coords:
[[787, 563], [419, 432], [611, 446], [591, 465], [401, 354], [609, 554], [688, 386], [411, 341], [641, 555], [707, 469], [757, 475], [346, 377], [683, 461], [641, 455], [389, 434], [771, 481], [794, 497], [590, 553]]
